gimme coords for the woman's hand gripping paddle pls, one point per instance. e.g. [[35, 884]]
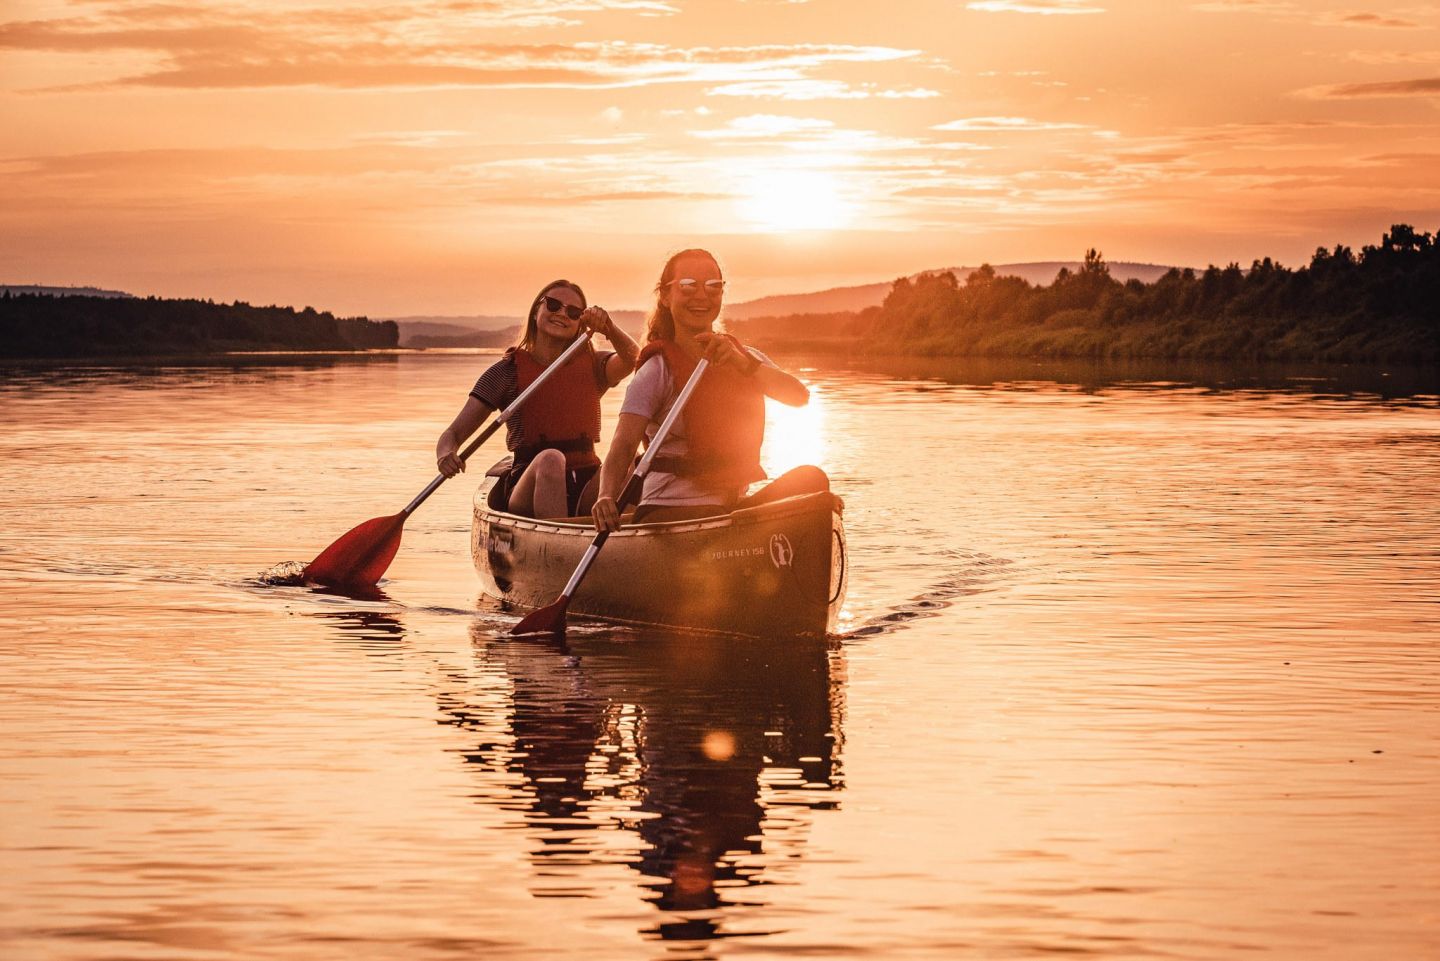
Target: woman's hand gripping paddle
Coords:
[[361, 555], [551, 618]]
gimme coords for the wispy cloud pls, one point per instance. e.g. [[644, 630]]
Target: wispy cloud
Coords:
[[417, 46], [1365, 19], [1381, 58], [1042, 7], [1244, 6], [1006, 125], [812, 89], [765, 125], [412, 138], [1291, 12], [1422, 87]]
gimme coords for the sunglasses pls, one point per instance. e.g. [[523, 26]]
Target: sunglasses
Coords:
[[689, 285], [555, 306]]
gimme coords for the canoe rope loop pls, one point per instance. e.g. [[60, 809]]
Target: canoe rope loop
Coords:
[[828, 592]]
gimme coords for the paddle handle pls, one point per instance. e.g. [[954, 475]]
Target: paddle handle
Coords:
[[504, 416], [636, 483], [643, 468]]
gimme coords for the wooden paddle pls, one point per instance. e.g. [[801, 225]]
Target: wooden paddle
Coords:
[[359, 557], [551, 618]]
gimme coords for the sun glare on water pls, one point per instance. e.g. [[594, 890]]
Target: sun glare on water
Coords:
[[782, 200], [795, 435]]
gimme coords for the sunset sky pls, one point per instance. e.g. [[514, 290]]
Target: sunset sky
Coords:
[[449, 157]]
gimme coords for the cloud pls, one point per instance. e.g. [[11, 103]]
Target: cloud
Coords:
[[1043, 7], [1245, 6], [412, 138], [147, 24], [1423, 87], [1283, 10], [810, 89], [1382, 58], [610, 197], [764, 125], [1006, 125], [425, 45], [1342, 19]]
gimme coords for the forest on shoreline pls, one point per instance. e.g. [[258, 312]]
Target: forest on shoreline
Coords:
[[42, 325], [1381, 305]]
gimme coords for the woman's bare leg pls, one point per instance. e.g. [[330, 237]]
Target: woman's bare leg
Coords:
[[806, 479], [540, 491]]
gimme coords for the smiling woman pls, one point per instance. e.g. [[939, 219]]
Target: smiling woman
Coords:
[[783, 200]]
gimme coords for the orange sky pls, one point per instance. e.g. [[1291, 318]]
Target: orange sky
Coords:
[[448, 156]]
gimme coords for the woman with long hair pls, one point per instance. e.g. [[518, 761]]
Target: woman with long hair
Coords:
[[711, 456], [553, 434]]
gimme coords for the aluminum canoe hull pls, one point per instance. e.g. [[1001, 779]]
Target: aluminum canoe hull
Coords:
[[777, 569]]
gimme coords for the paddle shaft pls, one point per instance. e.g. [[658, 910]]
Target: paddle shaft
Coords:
[[504, 416], [635, 485]]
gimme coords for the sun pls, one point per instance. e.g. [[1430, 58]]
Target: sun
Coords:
[[784, 200]]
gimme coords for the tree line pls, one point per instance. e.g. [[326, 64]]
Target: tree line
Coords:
[[1381, 304], [47, 326]]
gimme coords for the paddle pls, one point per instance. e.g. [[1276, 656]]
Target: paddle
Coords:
[[551, 618], [359, 557]]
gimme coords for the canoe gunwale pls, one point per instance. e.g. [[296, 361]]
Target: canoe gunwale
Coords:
[[581, 526]]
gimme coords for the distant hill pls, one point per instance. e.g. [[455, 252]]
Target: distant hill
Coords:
[[850, 299], [483, 330], [16, 289], [479, 330], [447, 335]]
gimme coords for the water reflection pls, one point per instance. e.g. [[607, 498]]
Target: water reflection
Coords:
[[1358, 382], [698, 762], [180, 371], [373, 632]]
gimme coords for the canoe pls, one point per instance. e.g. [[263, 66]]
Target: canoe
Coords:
[[772, 570]]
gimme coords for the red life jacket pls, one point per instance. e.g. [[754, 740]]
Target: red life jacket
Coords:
[[724, 421], [563, 414]]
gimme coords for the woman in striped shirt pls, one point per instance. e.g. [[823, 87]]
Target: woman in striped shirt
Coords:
[[553, 434]]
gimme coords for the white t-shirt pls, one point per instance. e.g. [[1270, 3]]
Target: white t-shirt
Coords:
[[650, 394]]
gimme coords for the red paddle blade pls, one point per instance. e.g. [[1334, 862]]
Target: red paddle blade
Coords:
[[360, 556], [546, 620]]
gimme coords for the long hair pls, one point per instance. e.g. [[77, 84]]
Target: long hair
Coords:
[[660, 325], [527, 339]]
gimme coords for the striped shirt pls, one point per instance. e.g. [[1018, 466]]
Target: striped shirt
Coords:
[[498, 387]]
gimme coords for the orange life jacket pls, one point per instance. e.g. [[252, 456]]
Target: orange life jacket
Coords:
[[724, 421], [564, 413]]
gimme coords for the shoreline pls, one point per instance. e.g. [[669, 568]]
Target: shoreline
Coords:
[[191, 359], [1086, 372]]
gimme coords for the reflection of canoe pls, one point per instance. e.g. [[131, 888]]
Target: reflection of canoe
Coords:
[[713, 758], [776, 569]]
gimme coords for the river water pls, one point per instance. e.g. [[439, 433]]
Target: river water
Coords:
[[1136, 665]]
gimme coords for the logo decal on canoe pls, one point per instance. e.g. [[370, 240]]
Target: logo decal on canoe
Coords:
[[781, 553]]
